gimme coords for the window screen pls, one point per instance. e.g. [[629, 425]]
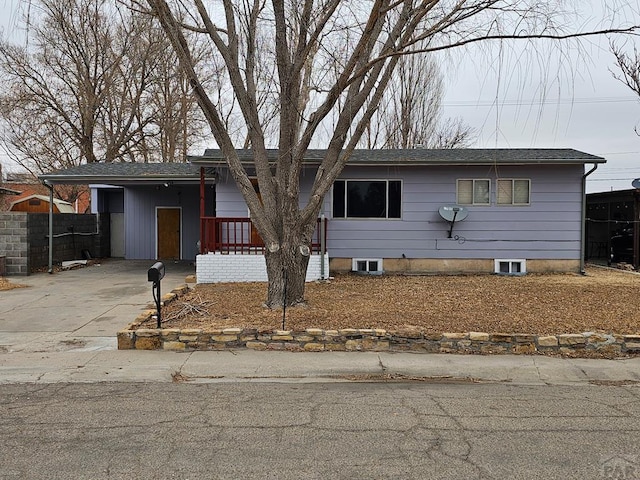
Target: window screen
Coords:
[[512, 192], [473, 192]]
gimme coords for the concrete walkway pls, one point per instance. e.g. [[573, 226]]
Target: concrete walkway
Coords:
[[62, 329]]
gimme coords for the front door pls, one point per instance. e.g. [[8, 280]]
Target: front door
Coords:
[[168, 233]]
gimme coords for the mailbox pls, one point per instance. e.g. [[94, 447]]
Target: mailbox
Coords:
[[156, 272]]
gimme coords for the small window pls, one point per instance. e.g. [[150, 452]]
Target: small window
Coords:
[[371, 266], [473, 192], [367, 199], [510, 266], [34, 201], [513, 191]]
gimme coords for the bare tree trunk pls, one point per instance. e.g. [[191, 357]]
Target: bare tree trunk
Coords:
[[286, 269]]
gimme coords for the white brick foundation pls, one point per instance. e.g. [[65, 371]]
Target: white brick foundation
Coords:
[[217, 268]]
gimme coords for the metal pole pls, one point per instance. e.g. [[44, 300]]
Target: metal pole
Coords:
[[322, 246], [156, 285], [50, 187], [284, 300], [583, 220], [202, 209]]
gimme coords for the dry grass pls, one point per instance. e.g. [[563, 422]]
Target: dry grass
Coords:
[[5, 284], [602, 300]]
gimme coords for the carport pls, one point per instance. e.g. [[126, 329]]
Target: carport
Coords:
[[154, 208]]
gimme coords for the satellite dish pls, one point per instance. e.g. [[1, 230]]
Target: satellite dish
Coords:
[[636, 183], [453, 214]]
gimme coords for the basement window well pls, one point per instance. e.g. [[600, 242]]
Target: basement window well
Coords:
[[510, 266], [372, 266]]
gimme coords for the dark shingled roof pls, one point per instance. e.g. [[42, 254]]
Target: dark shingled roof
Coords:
[[418, 156], [125, 172], [120, 173]]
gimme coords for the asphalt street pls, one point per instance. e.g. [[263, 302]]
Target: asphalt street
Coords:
[[419, 430], [73, 406]]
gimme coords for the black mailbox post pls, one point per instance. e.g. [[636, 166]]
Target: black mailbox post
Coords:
[[155, 274]]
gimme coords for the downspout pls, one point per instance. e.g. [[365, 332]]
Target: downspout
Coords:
[[583, 230], [50, 187], [323, 247]]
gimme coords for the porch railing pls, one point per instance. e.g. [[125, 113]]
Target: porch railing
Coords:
[[238, 235]]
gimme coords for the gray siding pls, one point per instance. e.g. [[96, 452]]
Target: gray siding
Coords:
[[229, 201], [548, 228], [140, 222]]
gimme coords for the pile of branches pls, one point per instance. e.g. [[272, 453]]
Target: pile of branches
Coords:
[[193, 308]]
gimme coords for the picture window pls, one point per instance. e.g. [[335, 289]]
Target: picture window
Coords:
[[367, 199]]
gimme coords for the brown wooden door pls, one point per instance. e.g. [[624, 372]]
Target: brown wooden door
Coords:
[[256, 239], [169, 233]]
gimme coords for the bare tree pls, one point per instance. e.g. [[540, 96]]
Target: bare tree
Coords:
[[629, 66], [94, 83], [410, 113], [167, 106], [348, 50]]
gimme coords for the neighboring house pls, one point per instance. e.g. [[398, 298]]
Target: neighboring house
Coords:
[[80, 205], [524, 211], [613, 226], [40, 204], [6, 195]]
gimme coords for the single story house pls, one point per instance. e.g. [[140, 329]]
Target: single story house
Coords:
[[417, 210]]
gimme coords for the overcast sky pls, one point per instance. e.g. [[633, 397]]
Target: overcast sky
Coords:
[[537, 101], [584, 108]]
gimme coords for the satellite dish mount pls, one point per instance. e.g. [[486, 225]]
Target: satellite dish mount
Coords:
[[453, 214]]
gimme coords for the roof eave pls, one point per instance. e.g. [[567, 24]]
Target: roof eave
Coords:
[[565, 161], [116, 180]]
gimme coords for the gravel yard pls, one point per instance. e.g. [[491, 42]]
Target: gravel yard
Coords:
[[603, 300]]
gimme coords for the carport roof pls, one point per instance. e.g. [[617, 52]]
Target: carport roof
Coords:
[[425, 156], [123, 173]]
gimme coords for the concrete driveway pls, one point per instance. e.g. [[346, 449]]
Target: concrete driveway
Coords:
[[81, 308]]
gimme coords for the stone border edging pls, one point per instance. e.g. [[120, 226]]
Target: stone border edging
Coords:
[[370, 340]]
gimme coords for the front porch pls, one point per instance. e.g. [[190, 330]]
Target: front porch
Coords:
[[228, 235], [232, 251]]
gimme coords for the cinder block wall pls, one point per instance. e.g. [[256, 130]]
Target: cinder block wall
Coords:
[[217, 268], [14, 245], [24, 239]]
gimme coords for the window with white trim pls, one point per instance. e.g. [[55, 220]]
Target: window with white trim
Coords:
[[513, 191], [367, 199], [367, 265], [473, 191], [506, 266]]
